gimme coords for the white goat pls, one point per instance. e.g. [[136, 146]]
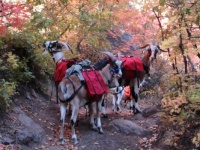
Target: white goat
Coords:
[[54, 48], [119, 94], [137, 81], [73, 91]]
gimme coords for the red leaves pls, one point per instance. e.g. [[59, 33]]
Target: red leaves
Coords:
[[12, 15]]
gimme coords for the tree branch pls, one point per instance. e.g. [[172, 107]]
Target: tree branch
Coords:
[[83, 37], [160, 25]]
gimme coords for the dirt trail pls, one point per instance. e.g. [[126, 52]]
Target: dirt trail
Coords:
[[46, 114]]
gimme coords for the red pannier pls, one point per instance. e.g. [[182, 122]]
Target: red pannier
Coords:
[[131, 66], [96, 86], [61, 68]]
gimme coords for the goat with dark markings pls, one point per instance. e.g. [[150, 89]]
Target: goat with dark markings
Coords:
[[136, 82], [69, 86]]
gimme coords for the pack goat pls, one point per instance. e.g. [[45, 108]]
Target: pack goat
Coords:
[[72, 91], [136, 82], [54, 48]]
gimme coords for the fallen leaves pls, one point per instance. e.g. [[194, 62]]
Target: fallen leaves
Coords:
[[196, 140], [147, 143], [174, 105]]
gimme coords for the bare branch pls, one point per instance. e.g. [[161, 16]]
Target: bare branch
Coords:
[[194, 37], [160, 25]]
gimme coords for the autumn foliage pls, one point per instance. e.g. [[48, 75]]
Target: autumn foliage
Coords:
[[12, 16], [89, 26]]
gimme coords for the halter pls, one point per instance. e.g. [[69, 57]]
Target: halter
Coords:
[[51, 48], [115, 70], [112, 72]]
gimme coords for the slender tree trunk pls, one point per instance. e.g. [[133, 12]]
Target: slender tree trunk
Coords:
[[182, 52], [191, 63], [159, 23]]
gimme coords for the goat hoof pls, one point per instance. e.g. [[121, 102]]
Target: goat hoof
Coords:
[[76, 142], [137, 111], [76, 125], [118, 109], [93, 128], [62, 141], [100, 130], [61, 138], [105, 116]]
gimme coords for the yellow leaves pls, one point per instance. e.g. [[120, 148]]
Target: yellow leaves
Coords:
[[196, 140], [170, 42], [12, 60], [48, 4], [193, 95], [174, 105]]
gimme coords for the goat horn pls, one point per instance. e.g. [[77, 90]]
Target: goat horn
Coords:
[[110, 55], [143, 46], [162, 49], [67, 47]]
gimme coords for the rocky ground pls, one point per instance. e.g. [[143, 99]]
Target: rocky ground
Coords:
[[34, 123]]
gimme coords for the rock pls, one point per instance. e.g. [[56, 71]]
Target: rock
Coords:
[[149, 111], [31, 132], [138, 117], [128, 127], [33, 93], [28, 96], [7, 140]]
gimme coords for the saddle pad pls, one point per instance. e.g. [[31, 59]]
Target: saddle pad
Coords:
[[96, 86], [61, 67], [131, 66]]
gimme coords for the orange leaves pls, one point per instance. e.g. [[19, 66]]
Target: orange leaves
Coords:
[[3, 31], [12, 15]]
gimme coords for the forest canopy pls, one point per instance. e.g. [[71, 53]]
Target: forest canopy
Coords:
[[90, 26]]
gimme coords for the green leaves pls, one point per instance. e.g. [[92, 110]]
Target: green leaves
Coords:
[[194, 95], [162, 2], [197, 20]]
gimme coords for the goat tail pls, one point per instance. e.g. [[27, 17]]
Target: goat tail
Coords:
[[68, 96], [63, 90]]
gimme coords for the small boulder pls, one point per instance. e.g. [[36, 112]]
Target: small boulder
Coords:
[[128, 127], [149, 111]]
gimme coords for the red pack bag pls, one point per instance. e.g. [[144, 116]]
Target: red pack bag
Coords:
[[96, 86], [131, 66]]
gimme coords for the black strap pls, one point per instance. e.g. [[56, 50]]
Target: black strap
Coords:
[[75, 92], [119, 91], [137, 74]]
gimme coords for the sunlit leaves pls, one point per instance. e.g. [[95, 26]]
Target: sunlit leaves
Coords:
[[12, 15], [12, 60], [197, 20], [162, 2], [194, 95], [170, 42], [196, 140]]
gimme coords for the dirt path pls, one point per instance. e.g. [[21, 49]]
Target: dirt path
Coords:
[[46, 114]]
